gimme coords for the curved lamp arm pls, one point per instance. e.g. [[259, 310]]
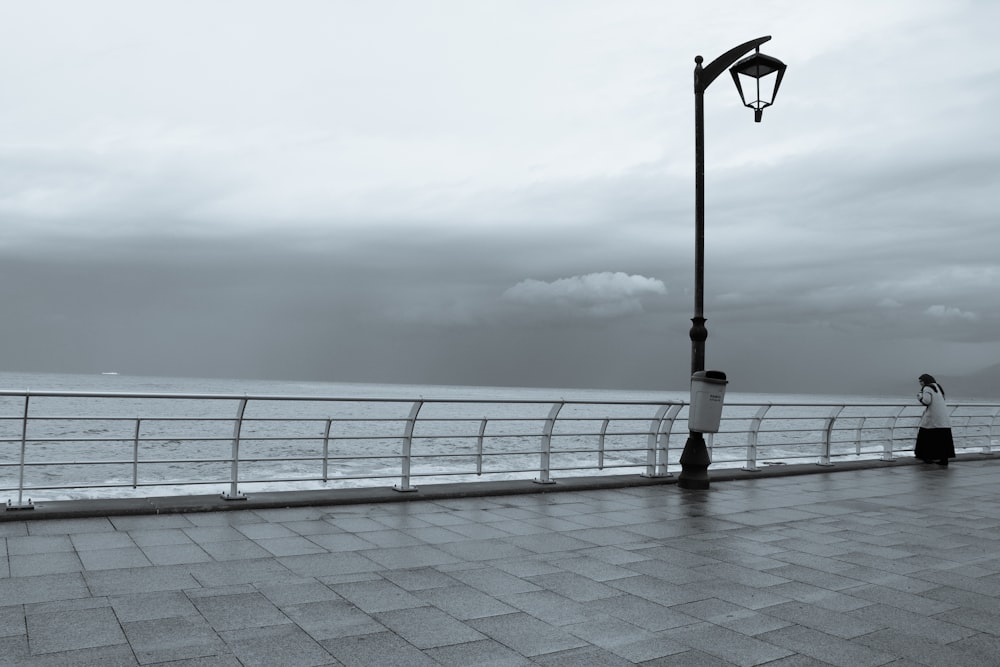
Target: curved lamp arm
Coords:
[[703, 77]]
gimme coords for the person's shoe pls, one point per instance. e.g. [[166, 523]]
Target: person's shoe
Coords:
[[942, 462], [927, 461]]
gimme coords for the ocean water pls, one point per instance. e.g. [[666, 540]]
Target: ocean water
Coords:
[[283, 444]]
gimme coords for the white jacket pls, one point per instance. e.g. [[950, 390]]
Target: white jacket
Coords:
[[935, 410]]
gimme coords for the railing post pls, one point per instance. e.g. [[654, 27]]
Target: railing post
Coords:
[[600, 443], [751, 465], [135, 454], [411, 421], [326, 451], [545, 464], [479, 447], [21, 505], [651, 437], [233, 493], [888, 447], [663, 442], [989, 432], [824, 457]]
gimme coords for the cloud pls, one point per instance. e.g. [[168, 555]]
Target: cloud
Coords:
[[949, 313], [594, 295]]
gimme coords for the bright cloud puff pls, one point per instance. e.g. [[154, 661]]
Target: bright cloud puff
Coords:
[[946, 313], [599, 295]]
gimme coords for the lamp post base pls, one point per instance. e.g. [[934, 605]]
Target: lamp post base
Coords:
[[694, 463]]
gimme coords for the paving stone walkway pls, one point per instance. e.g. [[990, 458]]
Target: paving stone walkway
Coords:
[[886, 566]]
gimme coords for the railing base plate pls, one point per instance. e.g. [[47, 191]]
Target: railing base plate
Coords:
[[539, 480], [229, 496], [20, 508], [403, 489]]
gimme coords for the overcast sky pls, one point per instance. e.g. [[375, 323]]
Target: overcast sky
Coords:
[[497, 192]]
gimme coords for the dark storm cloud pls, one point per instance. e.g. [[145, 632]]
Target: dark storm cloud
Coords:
[[355, 202]]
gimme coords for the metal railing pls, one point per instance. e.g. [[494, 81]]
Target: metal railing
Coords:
[[57, 445]]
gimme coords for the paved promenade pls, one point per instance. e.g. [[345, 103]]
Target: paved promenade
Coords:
[[893, 565]]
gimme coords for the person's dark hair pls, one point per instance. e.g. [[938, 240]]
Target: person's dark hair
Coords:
[[932, 383]]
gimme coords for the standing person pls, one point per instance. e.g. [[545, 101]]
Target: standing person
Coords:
[[934, 441]]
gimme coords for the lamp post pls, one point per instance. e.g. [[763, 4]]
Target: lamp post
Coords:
[[695, 459]]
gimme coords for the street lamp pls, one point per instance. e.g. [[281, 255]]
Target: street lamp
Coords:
[[695, 460]]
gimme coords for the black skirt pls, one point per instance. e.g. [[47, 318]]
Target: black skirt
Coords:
[[934, 444]]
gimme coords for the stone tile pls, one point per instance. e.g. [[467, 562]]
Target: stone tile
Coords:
[[592, 568], [297, 593], [138, 580], [101, 541], [175, 554], [736, 618], [290, 546], [13, 528], [659, 591], [384, 649], [38, 544], [642, 612], [261, 531], [263, 571], [43, 588], [826, 648], [376, 596], [234, 550], [609, 633], [164, 537], [734, 647], [419, 578], [332, 619], [233, 612], [408, 557], [428, 627], [483, 652], [207, 534], [113, 559], [464, 602], [341, 541], [150, 523], [574, 586], [434, 535], [924, 651], [312, 527], [71, 630], [287, 514], [546, 543], [553, 608], [526, 634], [911, 623], [493, 581], [586, 656], [276, 645], [14, 649], [33, 565], [116, 655], [173, 638], [919, 604], [11, 621], [325, 565], [152, 606], [484, 550], [70, 526], [974, 619]]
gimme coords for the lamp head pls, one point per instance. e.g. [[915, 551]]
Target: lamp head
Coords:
[[763, 69]]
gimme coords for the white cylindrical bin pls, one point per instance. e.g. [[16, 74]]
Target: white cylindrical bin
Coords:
[[708, 391]]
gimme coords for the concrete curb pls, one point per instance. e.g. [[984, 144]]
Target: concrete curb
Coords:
[[73, 509]]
